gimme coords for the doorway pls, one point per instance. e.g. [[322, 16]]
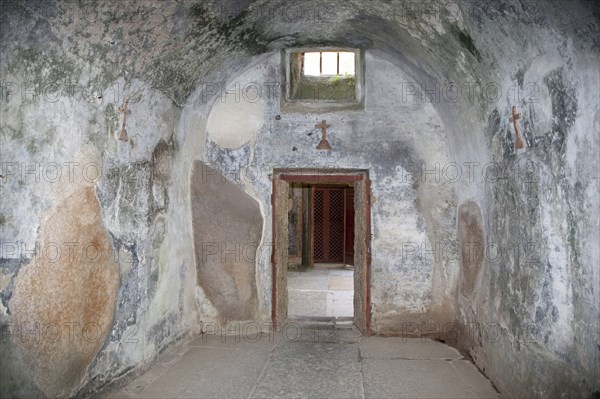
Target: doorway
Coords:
[[330, 234], [321, 251]]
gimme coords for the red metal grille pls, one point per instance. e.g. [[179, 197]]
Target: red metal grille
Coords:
[[336, 225], [318, 223], [328, 225]]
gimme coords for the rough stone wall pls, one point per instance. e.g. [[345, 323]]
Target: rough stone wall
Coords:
[[531, 321], [227, 227], [50, 293], [95, 251], [121, 307], [66, 67], [538, 56], [390, 138]]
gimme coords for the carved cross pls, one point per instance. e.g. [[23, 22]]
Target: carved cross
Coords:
[[323, 144], [515, 120], [124, 111], [323, 126]]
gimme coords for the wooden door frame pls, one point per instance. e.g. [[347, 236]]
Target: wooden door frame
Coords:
[[346, 189], [322, 177]]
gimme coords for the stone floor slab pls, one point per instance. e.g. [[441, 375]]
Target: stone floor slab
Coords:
[[303, 297], [243, 336], [307, 303], [341, 283], [342, 309], [406, 348], [325, 361], [312, 370], [307, 282], [477, 382], [396, 378], [308, 379], [317, 351], [209, 373], [320, 332]]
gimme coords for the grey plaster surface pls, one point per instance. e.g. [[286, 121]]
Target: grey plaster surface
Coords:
[[301, 362], [441, 79]]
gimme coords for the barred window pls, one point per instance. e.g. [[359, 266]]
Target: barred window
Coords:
[[323, 79]]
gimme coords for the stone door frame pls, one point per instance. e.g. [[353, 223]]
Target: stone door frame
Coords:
[[281, 180]]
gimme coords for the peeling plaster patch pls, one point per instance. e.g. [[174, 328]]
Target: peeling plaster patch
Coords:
[[232, 124], [467, 41], [555, 302], [206, 310], [239, 112], [472, 244], [226, 225], [69, 297]]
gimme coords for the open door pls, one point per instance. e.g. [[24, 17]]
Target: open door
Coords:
[[362, 240], [362, 255], [280, 255]]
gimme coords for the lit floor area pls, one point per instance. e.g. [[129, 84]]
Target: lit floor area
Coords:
[[324, 291], [310, 363]]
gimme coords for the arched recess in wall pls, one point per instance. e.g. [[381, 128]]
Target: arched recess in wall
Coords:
[[227, 224], [227, 229], [226, 145]]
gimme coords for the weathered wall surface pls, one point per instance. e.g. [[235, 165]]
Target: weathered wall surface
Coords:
[[532, 319], [528, 313], [530, 328], [93, 288], [390, 138], [50, 292], [96, 259], [227, 227]]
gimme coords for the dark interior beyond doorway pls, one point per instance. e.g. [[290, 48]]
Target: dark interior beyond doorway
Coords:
[[320, 225]]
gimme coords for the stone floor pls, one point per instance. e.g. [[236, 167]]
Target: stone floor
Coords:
[[302, 362], [325, 291]]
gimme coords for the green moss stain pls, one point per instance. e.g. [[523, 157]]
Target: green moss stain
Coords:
[[466, 41], [111, 119], [235, 31], [564, 107], [14, 134], [336, 88], [44, 71]]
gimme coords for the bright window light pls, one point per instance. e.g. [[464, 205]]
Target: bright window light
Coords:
[[312, 64], [329, 63], [346, 63]]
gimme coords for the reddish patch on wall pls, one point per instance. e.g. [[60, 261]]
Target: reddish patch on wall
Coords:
[[472, 240], [64, 300]]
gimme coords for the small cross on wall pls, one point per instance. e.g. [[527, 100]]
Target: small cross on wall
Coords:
[[124, 111], [323, 144], [519, 143]]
